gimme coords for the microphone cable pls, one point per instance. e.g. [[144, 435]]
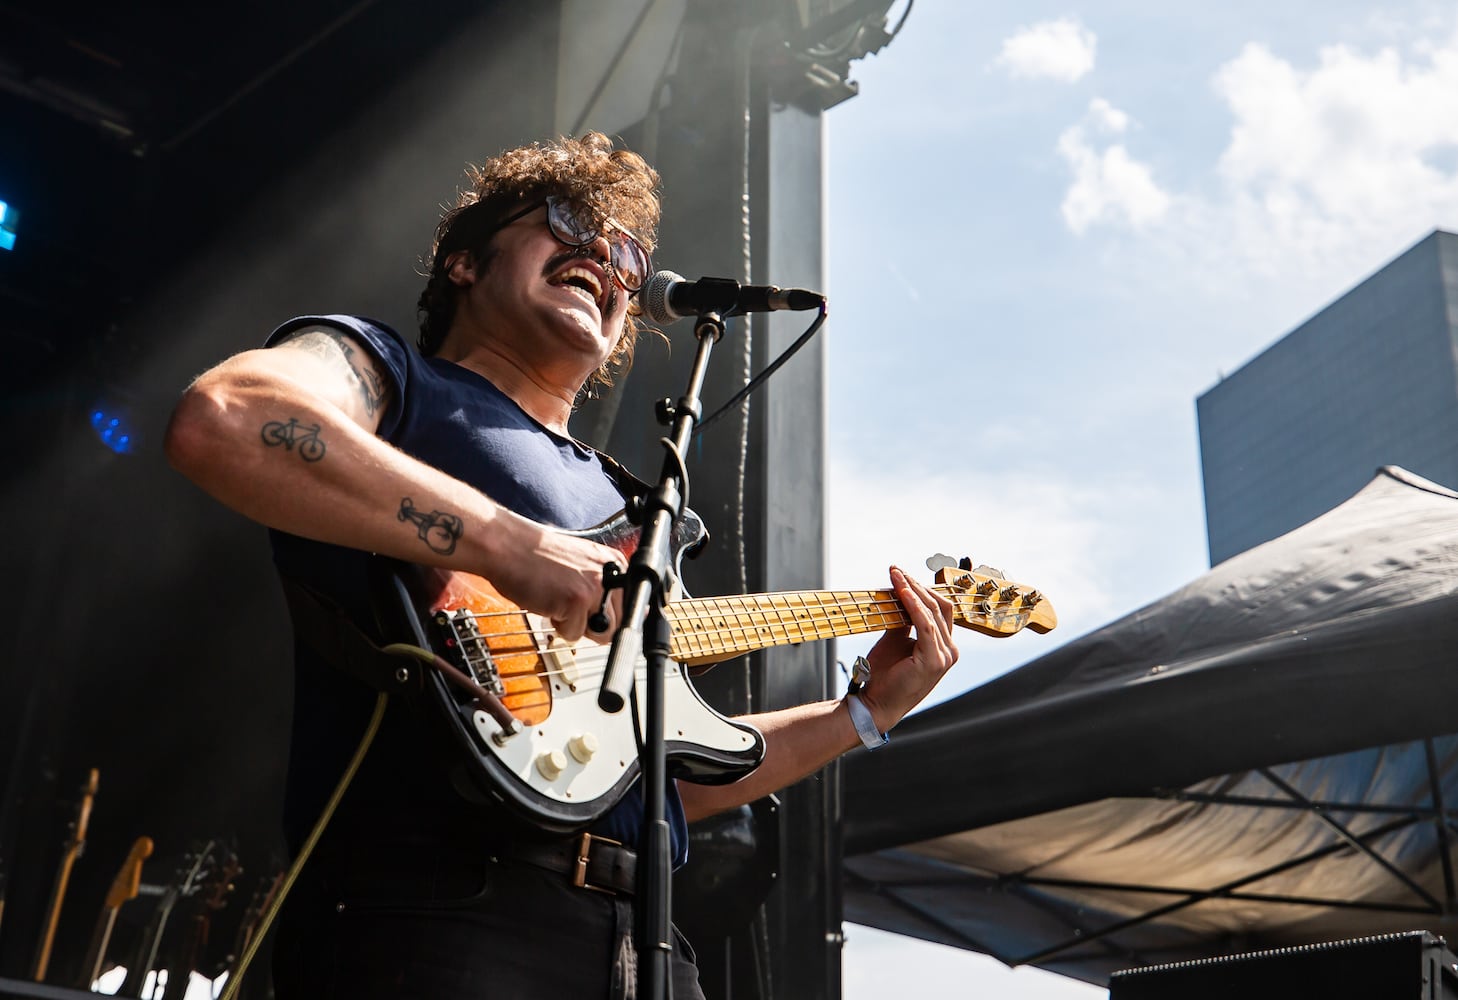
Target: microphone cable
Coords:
[[768, 370]]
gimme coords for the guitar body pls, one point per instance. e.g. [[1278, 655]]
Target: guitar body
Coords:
[[523, 713], [569, 762]]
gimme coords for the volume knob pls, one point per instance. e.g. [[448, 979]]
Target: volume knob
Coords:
[[583, 747], [551, 764]]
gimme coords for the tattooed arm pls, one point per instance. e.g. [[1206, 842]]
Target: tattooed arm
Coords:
[[286, 436]]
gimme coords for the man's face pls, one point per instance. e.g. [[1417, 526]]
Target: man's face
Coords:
[[548, 303]]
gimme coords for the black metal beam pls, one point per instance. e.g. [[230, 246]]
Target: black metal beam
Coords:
[[1216, 893], [1440, 828], [1350, 838]]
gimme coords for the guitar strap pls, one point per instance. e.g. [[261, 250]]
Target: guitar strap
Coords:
[[323, 626], [634, 489]]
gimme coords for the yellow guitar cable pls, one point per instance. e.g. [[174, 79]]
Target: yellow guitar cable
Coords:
[[235, 978]]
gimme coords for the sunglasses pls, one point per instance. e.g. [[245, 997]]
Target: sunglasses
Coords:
[[574, 225]]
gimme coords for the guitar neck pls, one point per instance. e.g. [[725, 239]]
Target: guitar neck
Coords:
[[706, 630], [96, 950], [63, 878]]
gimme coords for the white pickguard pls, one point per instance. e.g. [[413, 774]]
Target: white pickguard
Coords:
[[535, 754]]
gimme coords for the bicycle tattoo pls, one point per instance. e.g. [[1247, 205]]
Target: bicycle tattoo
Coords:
[[437, 529], [277, 432]]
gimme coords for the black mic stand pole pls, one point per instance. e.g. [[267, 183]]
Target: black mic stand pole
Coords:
[[644, 632]]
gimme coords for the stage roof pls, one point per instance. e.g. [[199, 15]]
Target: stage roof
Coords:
[[1263, 758]]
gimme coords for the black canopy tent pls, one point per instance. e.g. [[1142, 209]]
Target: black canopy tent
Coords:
[[1261, 759]]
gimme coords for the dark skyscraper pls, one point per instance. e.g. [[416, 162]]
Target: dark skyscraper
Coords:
[[1370, 380]]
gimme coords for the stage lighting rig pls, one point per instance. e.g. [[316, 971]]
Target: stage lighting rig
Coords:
[[813, 68]]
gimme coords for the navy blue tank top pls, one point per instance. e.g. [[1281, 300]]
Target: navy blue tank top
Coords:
[[459, 422]]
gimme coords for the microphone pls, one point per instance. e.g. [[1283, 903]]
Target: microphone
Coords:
[[667, 296]]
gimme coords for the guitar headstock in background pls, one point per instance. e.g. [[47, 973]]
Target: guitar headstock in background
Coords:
[[210, 894], [194, 867], [124, 887]]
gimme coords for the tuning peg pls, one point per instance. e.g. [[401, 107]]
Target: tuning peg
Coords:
[[1031, 598], [941, 561], [1009, 593], [987, 588]]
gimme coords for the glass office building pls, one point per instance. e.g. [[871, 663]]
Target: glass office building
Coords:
[[1371, 380]]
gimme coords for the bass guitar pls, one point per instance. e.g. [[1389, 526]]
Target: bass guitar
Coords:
[[520, 703], [75, 844]]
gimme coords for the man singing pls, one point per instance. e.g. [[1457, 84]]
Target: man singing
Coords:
[[344, 440]]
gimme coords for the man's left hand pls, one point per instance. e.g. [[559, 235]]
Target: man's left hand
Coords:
[[906, 666]]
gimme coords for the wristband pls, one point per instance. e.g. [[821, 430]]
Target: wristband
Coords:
[[871, 737]]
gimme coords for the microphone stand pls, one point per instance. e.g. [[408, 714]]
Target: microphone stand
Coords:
[[644, 633]]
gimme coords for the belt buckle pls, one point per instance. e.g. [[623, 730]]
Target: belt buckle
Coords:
[[584, 855]]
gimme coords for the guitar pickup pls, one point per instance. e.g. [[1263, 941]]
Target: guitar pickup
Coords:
[[465, 644]]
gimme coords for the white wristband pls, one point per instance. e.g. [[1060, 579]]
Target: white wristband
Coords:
[[871, 737]]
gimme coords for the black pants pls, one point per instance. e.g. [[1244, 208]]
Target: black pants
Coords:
[[430, 924]]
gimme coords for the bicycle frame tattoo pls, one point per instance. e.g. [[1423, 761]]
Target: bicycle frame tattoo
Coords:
[[277, 432]]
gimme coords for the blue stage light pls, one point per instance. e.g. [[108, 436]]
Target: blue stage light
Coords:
[[113, 431], [9, 225]]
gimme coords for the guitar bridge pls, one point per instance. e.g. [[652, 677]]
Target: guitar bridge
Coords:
[[465, 644]]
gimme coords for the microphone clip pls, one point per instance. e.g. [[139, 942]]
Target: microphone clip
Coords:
[[717, 295]]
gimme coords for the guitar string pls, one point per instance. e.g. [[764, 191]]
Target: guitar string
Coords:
[[697, 637], [542, 670], [774, 617], [718, 607]]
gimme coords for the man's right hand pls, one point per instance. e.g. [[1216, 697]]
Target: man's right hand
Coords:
[[558, 576]]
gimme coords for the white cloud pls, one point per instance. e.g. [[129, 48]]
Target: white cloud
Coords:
[[1329, 168], [1355, 152], [1059, 50], [1108, 185], [1106, 117]]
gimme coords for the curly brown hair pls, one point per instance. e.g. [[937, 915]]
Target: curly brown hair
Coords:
[[615, 183]]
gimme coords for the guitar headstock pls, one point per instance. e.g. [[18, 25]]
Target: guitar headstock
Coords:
[[128, 881], [983, 600], [189, 874], [218, 882], [76, 832]]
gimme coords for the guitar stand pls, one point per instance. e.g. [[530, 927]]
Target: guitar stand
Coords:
[[645, 632]]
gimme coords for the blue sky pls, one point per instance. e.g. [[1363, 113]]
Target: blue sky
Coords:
[[1050, 229]]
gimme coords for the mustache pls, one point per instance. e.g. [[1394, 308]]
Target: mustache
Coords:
[[561, 260]]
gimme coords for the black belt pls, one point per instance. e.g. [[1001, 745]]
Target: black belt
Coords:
[[589, 862]]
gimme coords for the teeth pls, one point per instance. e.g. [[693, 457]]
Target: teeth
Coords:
[[585, 275]]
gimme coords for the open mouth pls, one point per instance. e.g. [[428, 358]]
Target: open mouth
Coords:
[[583, 279]]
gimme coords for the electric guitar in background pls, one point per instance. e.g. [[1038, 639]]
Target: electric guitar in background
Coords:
[[184, 883], [125, 886], [75, 844], [211, 896], [521, 702], [263, 895]]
